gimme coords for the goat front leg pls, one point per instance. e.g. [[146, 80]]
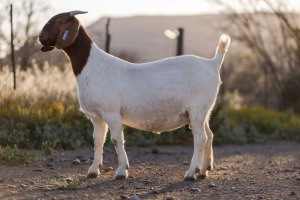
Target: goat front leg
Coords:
[[99, 135], [115, 125], [197, 124]]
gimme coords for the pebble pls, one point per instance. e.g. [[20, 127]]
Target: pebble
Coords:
[[186, 163], [195, 189], [155, 192], [38, 170], [68, 179], [108, 169], [135, 198], [293, 193], [76, 161], [123, 196], [223, 168], [260, 197], [84, 159], [23, 186], [49, 165], [169, 198], [212, 185]]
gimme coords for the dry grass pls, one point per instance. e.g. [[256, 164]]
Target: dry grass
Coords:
[[35, 84]]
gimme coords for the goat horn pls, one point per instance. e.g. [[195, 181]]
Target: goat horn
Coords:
[[77, 12]]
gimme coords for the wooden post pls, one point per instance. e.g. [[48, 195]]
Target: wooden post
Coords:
[[107, 36], [12, 46], [180, 42]]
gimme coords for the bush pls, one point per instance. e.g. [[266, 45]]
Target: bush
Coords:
[[14, 156], [256, 125], [53, 124]]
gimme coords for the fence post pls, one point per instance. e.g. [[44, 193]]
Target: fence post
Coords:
[[107, 36], [12, 46], [180, 42]]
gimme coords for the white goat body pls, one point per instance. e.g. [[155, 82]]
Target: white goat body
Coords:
[[156, 96]]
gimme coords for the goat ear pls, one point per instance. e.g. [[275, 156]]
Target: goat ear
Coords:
[[67, 34]]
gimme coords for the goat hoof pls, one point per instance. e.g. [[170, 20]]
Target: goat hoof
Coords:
[[92, 175], [190, 178], [120, 177], [201, 176], [209, 168]]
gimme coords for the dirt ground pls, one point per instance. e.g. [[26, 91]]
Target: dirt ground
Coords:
[[270, 171]]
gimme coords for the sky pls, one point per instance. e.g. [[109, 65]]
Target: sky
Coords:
[[121, 8], [124, 8]]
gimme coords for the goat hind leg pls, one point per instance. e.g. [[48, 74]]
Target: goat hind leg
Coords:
[[208, 158], [199, 143]]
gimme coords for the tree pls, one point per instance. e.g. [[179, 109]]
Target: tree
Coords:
[[270, 30], [26, 18]]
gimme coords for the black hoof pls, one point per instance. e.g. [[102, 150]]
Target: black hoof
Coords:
[[120, 177], [190, 178], [92, 175], [201, 176]]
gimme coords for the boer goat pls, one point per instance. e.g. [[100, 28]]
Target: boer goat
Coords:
[[156, 96]]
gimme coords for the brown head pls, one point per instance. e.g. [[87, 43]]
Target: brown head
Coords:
[[60, 31]]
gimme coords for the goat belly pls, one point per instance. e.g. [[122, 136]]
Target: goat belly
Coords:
[[157, 124]]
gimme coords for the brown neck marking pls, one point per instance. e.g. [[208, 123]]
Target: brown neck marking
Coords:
[[79, 51]]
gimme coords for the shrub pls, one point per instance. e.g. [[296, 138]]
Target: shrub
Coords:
[[14, 156], [255, 125]]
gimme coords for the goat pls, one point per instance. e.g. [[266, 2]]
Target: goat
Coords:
[[156, 96]]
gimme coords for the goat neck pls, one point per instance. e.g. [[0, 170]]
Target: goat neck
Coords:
[[79, 51]]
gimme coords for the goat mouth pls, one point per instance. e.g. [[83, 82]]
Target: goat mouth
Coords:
[[47, 43]]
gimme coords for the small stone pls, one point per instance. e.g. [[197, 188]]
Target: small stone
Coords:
[[135, 198], [84, 159], [260, 197], [186, 163], [11, 186], [68, 179], [195, 189], [108, 169], [292, 193], [155, 192], [123, 196], [50, 165], [76, 162], [223, 168], [212, 185], [170, 198], [38, 170], [23, 186]]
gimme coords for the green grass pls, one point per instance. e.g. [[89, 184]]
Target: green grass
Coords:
[[71, 183], [14, 156]]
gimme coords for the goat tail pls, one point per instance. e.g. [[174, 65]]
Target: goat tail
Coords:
[[222, 48], [224, 42]]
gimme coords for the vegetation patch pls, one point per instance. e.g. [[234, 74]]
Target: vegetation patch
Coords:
[[70, 183], [14, 156]]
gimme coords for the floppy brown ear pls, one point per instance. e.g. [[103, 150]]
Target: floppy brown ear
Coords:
[[67, 34]]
